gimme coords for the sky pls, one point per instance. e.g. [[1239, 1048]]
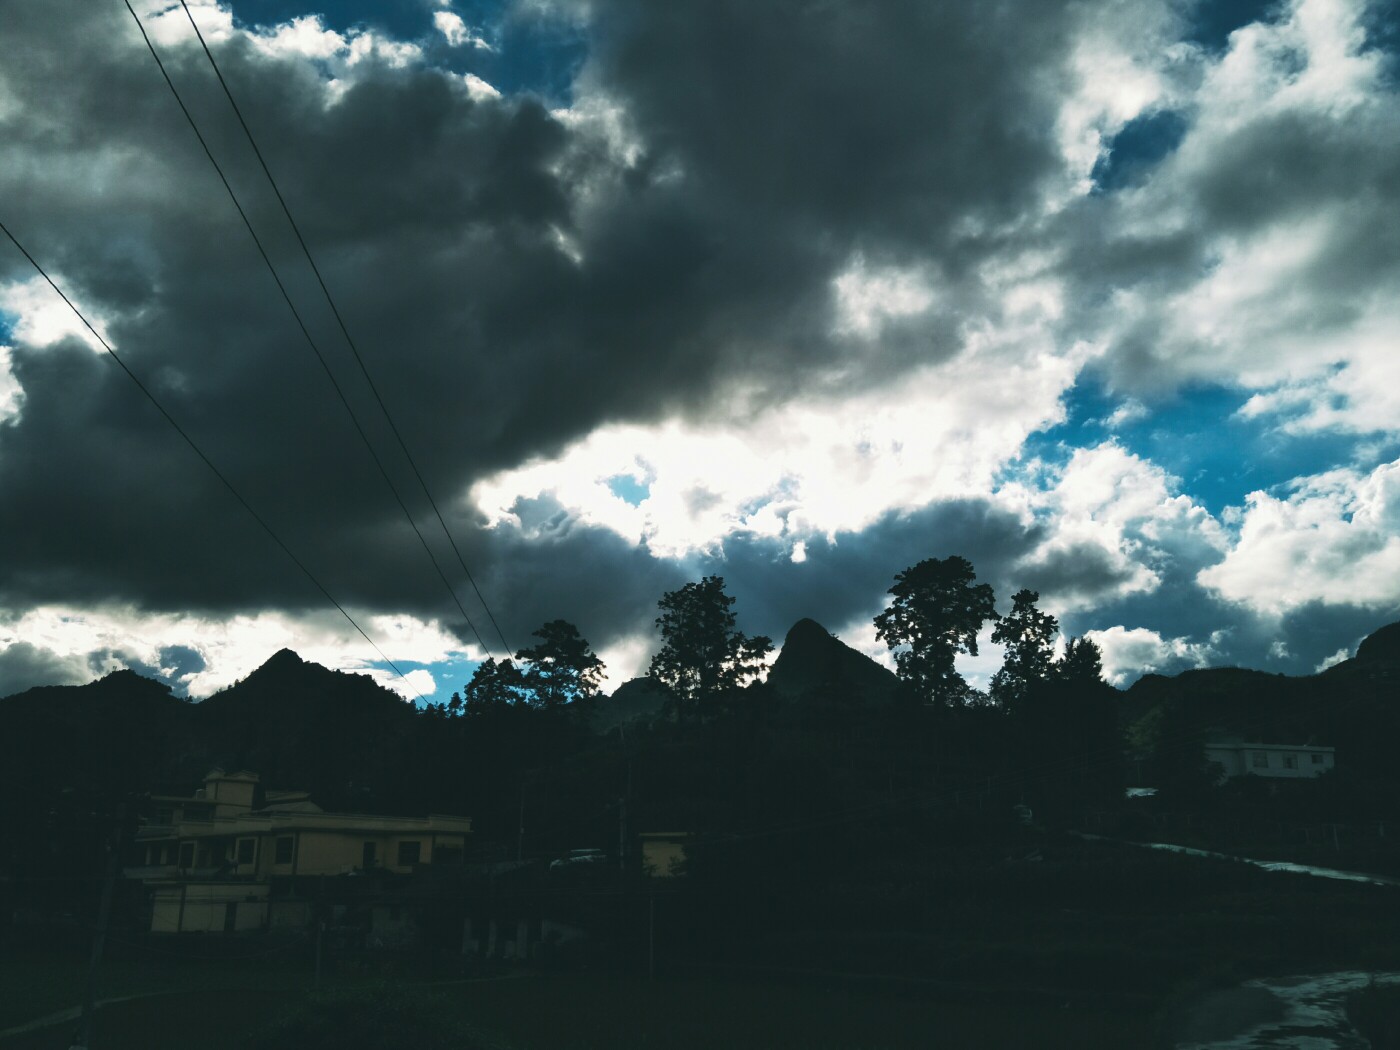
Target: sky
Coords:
[[1103, 297]]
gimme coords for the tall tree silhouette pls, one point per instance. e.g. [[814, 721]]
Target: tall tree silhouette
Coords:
[[936, 613], [1081, 664], [562, 668], [494, 684], [704, 655], [1028, 635]]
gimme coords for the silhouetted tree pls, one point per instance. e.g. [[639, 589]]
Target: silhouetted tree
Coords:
[[1179, 765], [1028, 635], [704, 656], [936, 614], [561, 668], [493, 684], [1081, 664]]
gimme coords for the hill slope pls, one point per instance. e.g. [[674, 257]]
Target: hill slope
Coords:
[[813, 661]]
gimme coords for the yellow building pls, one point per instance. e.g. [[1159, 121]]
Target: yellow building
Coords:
[[663, 852], [213, 859]]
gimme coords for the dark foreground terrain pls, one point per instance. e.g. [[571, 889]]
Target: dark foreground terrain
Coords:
[[1071, 944]]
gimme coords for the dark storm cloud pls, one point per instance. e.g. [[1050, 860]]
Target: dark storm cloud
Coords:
[[592, 577], [1081, 571], [23, 666], [855, 122], [1316, 628], [775, 143], [847, 578]]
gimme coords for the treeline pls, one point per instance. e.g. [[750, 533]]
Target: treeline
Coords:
[[728, 754], [857, 778], [937, 611]]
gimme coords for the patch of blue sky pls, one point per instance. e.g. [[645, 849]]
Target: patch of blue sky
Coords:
[[1381, 23], [449, 676], [401, 19], [1212, 21], [1141, 144], [629, 489], [1088, 406], [7, 327], [538, 52], [1198, 436]]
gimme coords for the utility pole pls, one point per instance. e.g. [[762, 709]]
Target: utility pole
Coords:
[[99, 937], [320, 935], [321, 912], [520, 835], [622, 836]]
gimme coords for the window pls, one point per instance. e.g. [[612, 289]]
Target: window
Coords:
[[187, 854], [1259, 760], [165, 817], [283, 854], [368, 855], [246, 850], [1290, 761], [409, 853], [1317, 758]]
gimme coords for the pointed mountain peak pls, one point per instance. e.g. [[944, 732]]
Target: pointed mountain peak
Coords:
[[283, 658], [813, 659], [805, 630]]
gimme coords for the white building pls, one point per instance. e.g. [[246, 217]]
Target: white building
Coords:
[[1238, 758]]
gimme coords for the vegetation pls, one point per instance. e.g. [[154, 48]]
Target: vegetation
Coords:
[[703, 658], [562, 668], [935, 614], [848, 826]]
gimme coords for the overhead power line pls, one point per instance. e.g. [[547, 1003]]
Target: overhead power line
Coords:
[[340, 321], [306, 334], [206, 460]]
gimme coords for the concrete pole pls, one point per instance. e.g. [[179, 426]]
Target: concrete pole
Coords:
[[99, 937]]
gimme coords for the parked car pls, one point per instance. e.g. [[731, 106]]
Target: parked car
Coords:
[[579, 856]]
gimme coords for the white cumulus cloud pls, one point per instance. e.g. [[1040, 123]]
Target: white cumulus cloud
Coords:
[[456, 31], [1334, 539], [1130, 652]]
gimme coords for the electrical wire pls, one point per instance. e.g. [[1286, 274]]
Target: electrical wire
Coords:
[[206, 460], [335, 311], [301, 325]]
